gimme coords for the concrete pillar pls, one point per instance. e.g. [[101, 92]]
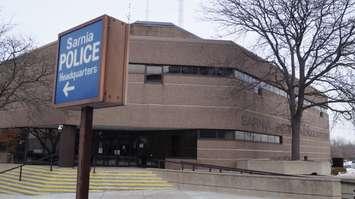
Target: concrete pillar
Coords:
[[67, 146]]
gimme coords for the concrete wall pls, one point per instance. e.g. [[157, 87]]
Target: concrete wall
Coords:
[[348, 187], [267, 186], [287, 167]]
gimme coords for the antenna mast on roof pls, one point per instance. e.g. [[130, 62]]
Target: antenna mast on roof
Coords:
[[181, 12], [147, 11], [129, 11]]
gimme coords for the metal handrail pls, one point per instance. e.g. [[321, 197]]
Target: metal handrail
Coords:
[[195, 166], [222, 168], [51, 156], [13, 168]]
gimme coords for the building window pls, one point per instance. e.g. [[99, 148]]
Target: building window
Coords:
[[153, 74], [136, 68], [208, 134], [174, 69], [165, 69], [225, 72], [189, 70], [205, 70], [260, 91], [241, 136]]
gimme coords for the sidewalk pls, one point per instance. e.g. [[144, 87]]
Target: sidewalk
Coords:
[[163, 194]]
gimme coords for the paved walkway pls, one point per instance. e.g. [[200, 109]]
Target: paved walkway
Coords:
[[164, 194]]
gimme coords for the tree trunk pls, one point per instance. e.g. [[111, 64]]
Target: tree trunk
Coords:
[[296, 130]]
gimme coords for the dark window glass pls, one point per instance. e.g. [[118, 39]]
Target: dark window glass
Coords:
[[174, 69], [240, 135], [219, 71], [211, 71], [229, 72], [155, 78], [208, 134], [153, 74], [194, 70], [260, 91], [189, 70], [226, 135], [204, 70], [229, 135]]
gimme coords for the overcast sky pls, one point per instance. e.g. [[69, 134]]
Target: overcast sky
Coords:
[[42, 20]]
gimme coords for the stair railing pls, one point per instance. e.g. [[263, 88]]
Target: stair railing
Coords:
[[13, 168], [195, 166], [94, 163], [51, 157]]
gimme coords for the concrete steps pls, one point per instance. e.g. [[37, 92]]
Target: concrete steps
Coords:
[[38, 179]]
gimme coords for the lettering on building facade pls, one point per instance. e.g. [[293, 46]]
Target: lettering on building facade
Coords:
[[254, 122]]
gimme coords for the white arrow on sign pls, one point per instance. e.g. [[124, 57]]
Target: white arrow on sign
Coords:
[[67, 88]]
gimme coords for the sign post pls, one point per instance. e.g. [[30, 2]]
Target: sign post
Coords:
[[91, 72], [83, 181]]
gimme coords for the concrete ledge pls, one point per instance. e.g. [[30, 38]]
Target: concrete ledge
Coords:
[[274, 186], [287, 167], [347, 186]]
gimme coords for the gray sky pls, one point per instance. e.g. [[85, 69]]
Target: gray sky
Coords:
[[44, 19]]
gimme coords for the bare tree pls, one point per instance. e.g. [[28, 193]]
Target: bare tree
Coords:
[[312, 45], [342, 149], [22, 72], [25, 82], [47, 137]]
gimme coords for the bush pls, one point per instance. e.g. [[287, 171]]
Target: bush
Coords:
[[337, 170]]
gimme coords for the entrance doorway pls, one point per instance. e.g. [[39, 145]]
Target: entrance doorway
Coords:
[[142, 148]]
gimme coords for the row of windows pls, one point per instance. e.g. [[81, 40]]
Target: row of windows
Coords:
[[240, 135], [154, 73], [251, 80], [211, 71], [192, 70]]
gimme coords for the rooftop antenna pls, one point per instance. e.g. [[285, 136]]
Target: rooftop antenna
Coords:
[[129, 11], [147, 11], [181, 12]]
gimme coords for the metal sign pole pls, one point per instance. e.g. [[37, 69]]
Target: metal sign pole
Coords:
[[82, 187]]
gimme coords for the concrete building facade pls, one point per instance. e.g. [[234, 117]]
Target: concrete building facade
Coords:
[[188, 98]]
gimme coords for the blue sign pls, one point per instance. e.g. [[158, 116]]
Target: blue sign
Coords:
[[78, 64]]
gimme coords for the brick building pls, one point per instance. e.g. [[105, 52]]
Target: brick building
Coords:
[[188, 98]]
